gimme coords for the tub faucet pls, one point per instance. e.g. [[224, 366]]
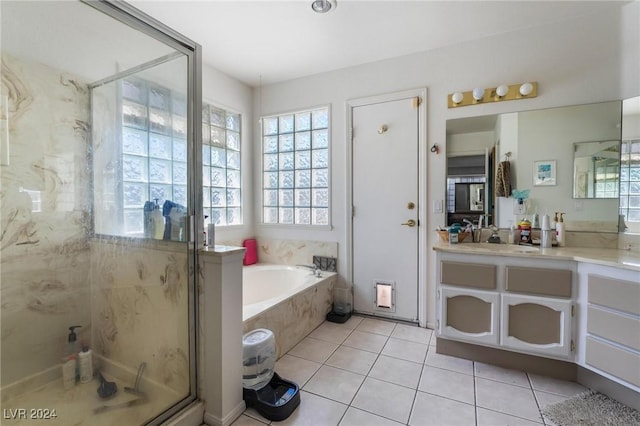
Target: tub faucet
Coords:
[[314, 269]]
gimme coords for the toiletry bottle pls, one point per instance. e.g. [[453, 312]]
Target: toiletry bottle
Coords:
[[512, 233], [560, 234], [525, 231], [85, 359], [211, 235], [545, 233], [69, 372], [72, 345], [158, 222], [554, 223], [535, 220]]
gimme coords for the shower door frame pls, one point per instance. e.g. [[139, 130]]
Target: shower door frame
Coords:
[[144, 23]]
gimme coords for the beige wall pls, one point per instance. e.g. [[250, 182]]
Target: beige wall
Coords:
[[599, 65]]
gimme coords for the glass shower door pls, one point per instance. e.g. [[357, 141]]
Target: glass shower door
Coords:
[[98, 134]]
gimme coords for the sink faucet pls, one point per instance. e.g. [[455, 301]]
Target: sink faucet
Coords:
[[316, 271]]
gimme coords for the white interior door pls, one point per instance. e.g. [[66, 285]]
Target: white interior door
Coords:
[[385, 208]]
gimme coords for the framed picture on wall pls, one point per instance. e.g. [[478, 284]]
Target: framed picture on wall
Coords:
[[544, 173]]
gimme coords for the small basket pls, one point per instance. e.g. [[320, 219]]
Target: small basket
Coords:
[[444, 236]]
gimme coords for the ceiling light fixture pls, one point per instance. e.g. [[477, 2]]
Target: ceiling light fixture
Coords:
[[323, 6]]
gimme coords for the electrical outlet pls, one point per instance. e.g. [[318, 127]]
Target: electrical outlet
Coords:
[[519, 208]]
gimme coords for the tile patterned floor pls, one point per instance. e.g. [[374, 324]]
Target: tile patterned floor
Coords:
[[370, 372]]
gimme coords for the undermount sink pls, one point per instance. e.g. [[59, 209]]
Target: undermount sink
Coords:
[[503, 248]]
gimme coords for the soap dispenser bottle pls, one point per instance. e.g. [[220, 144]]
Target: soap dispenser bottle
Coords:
[[72, 344]]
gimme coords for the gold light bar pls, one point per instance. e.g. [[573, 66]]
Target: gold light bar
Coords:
[[490, 95]]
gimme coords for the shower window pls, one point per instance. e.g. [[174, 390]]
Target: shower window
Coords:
[[295, 168], [154, 151], [221, 174]]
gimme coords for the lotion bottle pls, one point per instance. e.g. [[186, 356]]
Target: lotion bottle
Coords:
[[85, 359]]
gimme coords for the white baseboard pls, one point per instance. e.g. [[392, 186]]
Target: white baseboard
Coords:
[[212, 420], [193, 415]]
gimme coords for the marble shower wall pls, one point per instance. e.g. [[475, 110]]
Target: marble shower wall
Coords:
[[140, 303], [44, 195]]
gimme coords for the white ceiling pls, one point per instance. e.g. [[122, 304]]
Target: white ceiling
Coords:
[[282, 40]]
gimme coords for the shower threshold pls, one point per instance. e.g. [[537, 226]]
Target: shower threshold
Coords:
[[81, 405]]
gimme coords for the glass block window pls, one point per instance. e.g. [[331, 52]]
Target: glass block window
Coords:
[[221, 177], [295, 168], [630, 184], [154, 149]]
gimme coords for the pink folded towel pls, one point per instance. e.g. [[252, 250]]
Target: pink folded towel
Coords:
[[251, 254]]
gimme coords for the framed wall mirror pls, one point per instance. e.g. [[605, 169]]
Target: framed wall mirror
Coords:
[[549, 134], [596, 169]]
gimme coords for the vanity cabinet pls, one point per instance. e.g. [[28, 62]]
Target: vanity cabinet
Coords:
[[507, 303]]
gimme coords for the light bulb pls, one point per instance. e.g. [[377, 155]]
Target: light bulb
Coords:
[[478, 93], [457, 97], [502, 90], [526, 89]]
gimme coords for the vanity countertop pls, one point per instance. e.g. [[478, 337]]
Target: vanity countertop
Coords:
[[601, 256]]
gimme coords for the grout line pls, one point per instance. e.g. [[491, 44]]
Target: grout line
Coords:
[[535, 397], [475, 395]]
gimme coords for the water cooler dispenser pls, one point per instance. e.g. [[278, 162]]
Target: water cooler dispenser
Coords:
[[273, 397]]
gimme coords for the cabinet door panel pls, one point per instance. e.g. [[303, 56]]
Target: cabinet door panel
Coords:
[[470, 315], [536, 324]]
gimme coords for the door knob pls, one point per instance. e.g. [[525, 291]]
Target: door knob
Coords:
[[410, 223]]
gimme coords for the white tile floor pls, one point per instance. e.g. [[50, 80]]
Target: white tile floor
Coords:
[[370, 372]]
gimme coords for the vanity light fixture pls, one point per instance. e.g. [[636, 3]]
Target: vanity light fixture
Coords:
[[323, 6], [494, 94]]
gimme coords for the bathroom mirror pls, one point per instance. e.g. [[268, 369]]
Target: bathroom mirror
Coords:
[[542, 135], [596, 169]]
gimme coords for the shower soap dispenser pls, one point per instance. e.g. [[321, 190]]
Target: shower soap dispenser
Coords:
[[72, 345]]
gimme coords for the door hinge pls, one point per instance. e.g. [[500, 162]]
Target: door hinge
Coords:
[[417, 101], [438, 295], [573, 346], [437, 324], [573, 310], [353, 211]]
